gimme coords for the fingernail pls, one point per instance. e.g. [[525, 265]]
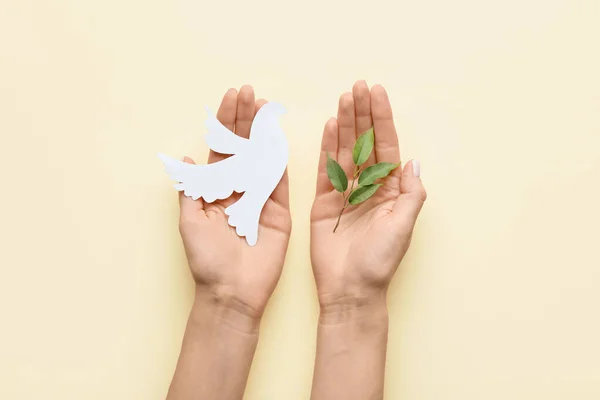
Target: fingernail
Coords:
[[416, 168]]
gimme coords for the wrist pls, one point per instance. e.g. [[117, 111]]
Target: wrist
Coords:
[[224, 309], [353, 307]]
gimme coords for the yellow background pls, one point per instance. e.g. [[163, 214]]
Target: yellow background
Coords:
[[499, 295]]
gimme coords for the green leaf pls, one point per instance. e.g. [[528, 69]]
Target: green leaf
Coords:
[[374, 172], [363, 147], [336, 175], [362, 193]]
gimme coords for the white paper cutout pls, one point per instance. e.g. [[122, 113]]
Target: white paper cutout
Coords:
[[255, 168]]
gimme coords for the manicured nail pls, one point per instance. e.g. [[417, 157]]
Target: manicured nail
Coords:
[[416, 168]]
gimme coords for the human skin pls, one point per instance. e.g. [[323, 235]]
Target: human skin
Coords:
[[353, 266], [233, 281]]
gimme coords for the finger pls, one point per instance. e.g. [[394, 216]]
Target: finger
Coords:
[[188, 206], [362, 111], [245, 111], [259, 103], [226, 115], [386, 139], [329, 145], [413, 195], [242, 126], [281, 194], [346, 132]]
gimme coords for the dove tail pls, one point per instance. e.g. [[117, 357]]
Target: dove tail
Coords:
[[244, 215]]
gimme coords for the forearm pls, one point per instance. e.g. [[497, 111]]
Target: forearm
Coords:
[[351, 350], [216, 353]]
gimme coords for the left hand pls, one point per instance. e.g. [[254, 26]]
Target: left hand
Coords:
[[222, 263]]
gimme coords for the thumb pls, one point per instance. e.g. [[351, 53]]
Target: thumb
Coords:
[[412, 195], [187, 204]]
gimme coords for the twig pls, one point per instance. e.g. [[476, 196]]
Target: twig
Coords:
[[346, 198]]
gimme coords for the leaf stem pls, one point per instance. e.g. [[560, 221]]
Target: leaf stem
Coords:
[[346, 198]]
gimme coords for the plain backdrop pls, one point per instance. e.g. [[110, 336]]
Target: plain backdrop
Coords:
[[499, 295]]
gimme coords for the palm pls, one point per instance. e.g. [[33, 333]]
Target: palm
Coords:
[[372, 236], [218, 257]]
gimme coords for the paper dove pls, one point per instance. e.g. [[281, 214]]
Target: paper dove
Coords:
[[255, 168]]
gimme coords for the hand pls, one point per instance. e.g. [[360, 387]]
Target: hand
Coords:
[[356, 263], [222, 263]]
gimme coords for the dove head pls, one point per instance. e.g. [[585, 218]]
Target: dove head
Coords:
[[275, 108], [266, 123]]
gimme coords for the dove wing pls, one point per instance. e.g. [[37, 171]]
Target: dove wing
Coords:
[[220, 139], [211, 182]]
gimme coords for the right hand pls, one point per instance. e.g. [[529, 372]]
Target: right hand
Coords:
[[355, 264]]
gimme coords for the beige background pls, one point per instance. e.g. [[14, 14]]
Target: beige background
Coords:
[[500, 100]]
